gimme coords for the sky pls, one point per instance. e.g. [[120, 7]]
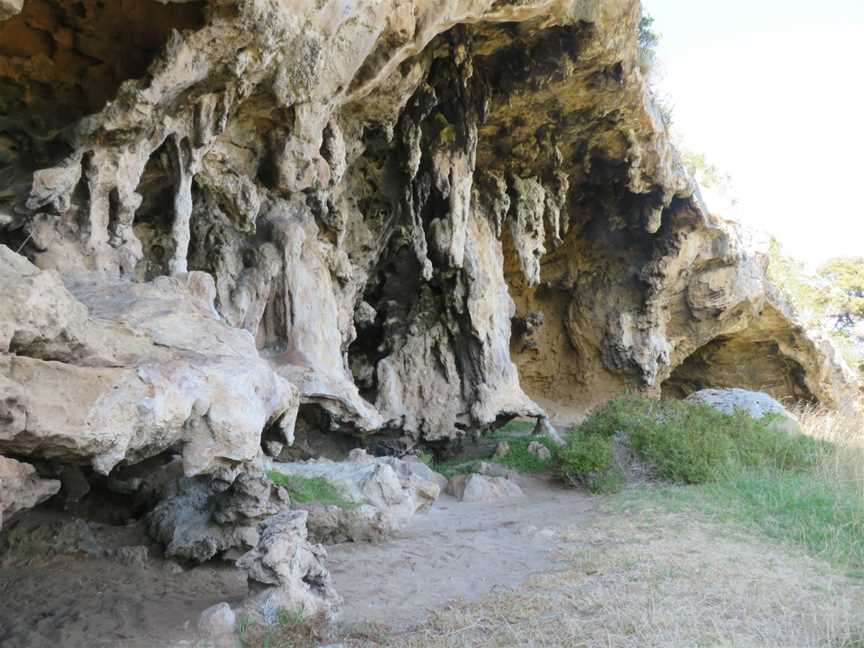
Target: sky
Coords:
[[772, 93]]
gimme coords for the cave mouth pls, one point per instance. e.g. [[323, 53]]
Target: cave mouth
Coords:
[[736, 361]]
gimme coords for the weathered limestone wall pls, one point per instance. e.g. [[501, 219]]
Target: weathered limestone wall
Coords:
[[403, 220]]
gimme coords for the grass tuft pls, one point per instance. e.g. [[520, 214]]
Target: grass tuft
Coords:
[[291, 630], [517, 434], [309, 490]]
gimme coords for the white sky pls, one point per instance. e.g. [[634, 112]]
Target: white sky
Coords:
[[772, 92]]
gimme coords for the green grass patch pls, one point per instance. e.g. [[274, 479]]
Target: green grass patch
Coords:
[[792, 506], [688, 443], [588, 460], [517, 434], [307, 490], [458, 466], [753, 473]]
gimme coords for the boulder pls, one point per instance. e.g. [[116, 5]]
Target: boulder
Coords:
[[218, 624], [104, 371], [480, 488], [728, 401], [286, 571], [382, 494], [755, 404], [21, 488], [540, 451], [492, 469]]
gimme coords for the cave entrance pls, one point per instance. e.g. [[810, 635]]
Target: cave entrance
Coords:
[[740, 361]]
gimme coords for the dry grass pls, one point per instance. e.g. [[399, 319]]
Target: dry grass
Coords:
[[738, 564], [844, 431], [289, 631], [658, 581]]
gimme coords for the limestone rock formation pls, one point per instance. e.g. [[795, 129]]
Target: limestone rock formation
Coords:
[[396, 221], [99, 370], [21, 488], [9, 8], [476, 487], [287, 572], [247, 519], [203, 517], [376, 190], [382, 494]]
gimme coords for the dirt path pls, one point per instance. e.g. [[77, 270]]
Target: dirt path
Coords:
[[555, 568], [456, 551], [558, 569]]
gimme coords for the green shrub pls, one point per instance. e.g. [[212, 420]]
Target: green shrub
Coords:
[[692, 443], [588, 460], [685, 442], [619, 415]]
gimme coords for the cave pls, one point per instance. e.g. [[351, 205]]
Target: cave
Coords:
[[380, 234], [740, 361]]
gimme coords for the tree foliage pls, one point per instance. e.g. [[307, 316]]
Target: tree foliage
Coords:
[[802, 288], [844, 301], [647, 40], [832, 299]]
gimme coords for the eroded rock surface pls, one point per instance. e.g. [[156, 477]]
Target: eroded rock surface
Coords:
[[403, 221], [377, 190], [287, 572], [102, 370], [381, 495], [21, 488]]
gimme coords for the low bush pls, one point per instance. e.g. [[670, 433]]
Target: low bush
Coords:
[[588, 460], [692, 443]]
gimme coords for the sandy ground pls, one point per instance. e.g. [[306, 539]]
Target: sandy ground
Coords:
[[84, 600], [555, 568], [455, 551], [612, 577]]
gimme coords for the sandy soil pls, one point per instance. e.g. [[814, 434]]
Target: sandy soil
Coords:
[[455, 551], [652, 579], [84, 600], [554, 568]]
